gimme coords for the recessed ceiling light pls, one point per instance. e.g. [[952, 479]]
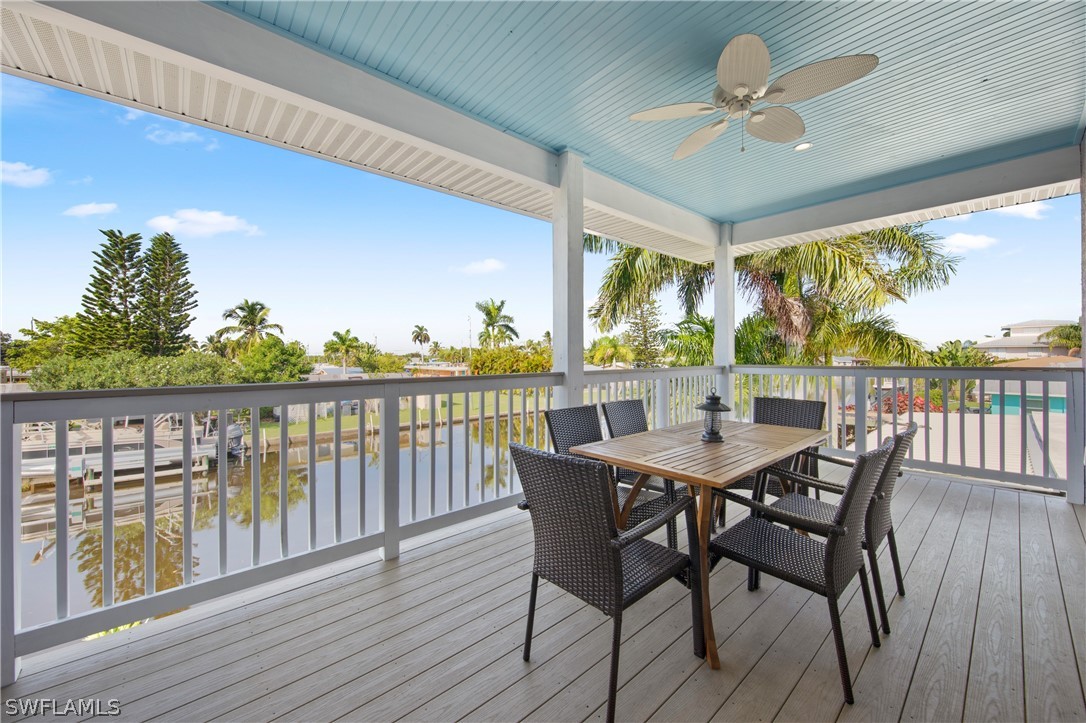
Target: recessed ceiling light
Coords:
[[803, 146]]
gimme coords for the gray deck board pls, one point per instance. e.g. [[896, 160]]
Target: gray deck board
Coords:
[[993, 627]]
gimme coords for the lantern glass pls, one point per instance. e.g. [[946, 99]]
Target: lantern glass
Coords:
[[714, 410]]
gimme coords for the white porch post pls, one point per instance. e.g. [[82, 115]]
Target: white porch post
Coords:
[[724, 314], [568, 255], [1076, 484]]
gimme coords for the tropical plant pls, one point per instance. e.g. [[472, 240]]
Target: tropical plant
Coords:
[[250, 325], [510, 360], [111, 302], [835, 280], [420, 336], [273, 360], [342, 346], [166, 296], [690, 343], [44, 340], [957, 354], [497, 325], [644, 335], [606, 351], [757, 341], [218, 345], [127, 369], [1065, 336], [436, 349]]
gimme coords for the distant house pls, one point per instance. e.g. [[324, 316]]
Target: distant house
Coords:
[[437, 369], [1020, 341]]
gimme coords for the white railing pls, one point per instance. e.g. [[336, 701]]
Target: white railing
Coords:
[[670, 395], [1013, 425], [356, 467]]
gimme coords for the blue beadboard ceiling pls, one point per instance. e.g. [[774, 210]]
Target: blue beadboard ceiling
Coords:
[[959, 85]]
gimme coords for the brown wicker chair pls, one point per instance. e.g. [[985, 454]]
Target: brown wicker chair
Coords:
[[579, 549], [572, 426], [824, 568], [801, 413], [627, 416], [878, 525]]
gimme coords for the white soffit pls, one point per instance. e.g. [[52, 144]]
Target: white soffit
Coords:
[[51, 46]]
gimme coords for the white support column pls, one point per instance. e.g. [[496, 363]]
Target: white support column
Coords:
[[724, 314], [1076, 484], [10, 510], [390, 471], [568, 255]]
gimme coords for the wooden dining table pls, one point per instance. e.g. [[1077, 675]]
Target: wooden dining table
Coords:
[[678, 453]]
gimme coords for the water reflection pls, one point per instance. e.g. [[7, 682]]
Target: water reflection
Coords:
[[359, 510]]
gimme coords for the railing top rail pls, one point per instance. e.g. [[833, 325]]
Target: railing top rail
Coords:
[[652, 372], [94, 404], [992, 372]]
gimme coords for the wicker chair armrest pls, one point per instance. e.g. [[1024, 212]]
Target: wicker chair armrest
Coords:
[[826, 458], [653, 523], [799, 522], [805, 479]]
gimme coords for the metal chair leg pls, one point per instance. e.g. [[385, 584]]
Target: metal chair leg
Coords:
[[870, 608], [892, 543], [839, 642], [694, 575], [876, 582], [672, 527], [531, 618], [616, 640]]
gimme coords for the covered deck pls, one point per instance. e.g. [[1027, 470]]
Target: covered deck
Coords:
[[993, 627]]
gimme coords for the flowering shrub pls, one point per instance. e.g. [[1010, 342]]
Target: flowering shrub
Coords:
[[902, 404]]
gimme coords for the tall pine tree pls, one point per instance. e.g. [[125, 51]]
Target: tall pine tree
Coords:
[[166, 296], [643, 335], [111, 303]]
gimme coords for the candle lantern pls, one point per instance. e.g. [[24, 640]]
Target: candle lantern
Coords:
[[714, 410]]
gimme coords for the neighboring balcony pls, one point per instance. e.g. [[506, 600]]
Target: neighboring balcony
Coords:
[[286, 607]]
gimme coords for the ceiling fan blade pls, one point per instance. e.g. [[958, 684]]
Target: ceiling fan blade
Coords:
[[778, 124], [699, 139], [670, 112], [818, 78], [744, 62]]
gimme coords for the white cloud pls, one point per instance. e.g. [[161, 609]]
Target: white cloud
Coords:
[[130, 115], [963, 242], [84, 181], [194, 222], [1034, 211], [485, 266], [23, 175], [91, 209], [165, 137]]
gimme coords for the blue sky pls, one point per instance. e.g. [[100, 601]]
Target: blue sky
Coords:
[[329, 247]]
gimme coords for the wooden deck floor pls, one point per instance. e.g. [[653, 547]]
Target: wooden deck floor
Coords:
[[993, 628]]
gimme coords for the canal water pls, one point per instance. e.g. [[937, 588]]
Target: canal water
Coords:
[[84, 564]]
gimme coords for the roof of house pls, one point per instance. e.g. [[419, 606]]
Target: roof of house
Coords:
[[1016, 341], [1045, 361], [1037, 322]]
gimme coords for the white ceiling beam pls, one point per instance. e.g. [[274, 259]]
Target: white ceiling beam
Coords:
[[1030, 178], [201, 32], [610, 196]]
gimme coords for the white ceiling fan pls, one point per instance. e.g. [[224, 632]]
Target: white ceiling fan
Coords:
[[742, 76]]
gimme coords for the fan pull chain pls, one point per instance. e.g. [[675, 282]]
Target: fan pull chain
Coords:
[[743, 135]]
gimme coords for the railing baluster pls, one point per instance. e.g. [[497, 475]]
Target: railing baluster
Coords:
[[878, 410], [433, 455], [927, 419], [148, 503], [186, 490], [482, 446], [467, 448], [980, 422], [311, 468], [390, 472], [946, 417], [362, 464], [11, 456], [510, 471], [413, 456], [254, 477], [61, 515], [108, 543], [449, 450], [962, 411], [284, 451], [220, 488], [337, 470], [1044, 430], [1002, 426], [912, 410], [497, 443]]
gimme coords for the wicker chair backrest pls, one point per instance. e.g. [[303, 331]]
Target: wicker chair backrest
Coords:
[[572, 426], [573, 520], [626, 416], [844, 553], [802, 413], [879, 521]]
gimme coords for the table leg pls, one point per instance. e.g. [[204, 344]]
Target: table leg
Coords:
[[705, 514], [624, 513]]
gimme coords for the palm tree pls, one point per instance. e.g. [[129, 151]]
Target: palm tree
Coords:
[[420, 336], [835, 280], [342, 345], [251, 323], [1067, 336], [608, 350], [497, 325], [217, 345], [436, 349]]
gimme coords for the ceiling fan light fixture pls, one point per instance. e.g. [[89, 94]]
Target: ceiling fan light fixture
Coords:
[[757, 116], [740, 90], [805, 146]]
